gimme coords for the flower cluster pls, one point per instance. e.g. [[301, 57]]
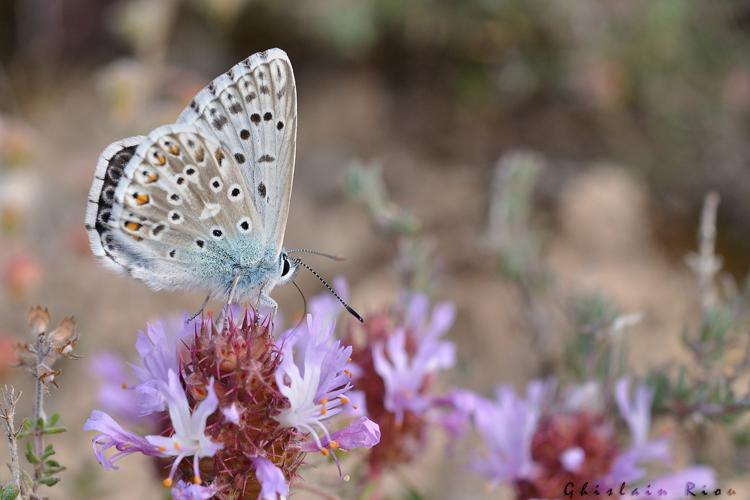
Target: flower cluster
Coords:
[[397, 355], [243, 406], [547, 450]]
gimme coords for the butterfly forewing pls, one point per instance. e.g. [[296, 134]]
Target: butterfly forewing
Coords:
[[252, 110]]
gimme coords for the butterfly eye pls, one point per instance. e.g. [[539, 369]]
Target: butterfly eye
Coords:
[[286, 268]]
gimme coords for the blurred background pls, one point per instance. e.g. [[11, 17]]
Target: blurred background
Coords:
[[629, 111]]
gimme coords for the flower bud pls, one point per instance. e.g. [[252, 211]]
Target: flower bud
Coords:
[[63, 338], [38, 320]]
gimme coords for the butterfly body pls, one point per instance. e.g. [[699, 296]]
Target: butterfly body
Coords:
[[202, 204]]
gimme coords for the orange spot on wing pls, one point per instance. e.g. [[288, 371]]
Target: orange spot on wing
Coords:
[[219, 155]]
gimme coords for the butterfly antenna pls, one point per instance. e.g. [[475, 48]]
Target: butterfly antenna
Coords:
[[315, 252], [304, 303], [330, 289]]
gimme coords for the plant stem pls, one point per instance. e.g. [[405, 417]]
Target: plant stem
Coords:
[[8, 414], [706, 264], [41, 350]]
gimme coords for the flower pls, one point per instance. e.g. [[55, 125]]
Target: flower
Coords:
[[404, 375], [414, 352], [189, 438], [115, 391], [271, 479], [232, 413], [111, 434], [314, 378], [277, 400], [396, 362], [189, 491], [539, 447], [158, 348], [637, 415], [362, 433]]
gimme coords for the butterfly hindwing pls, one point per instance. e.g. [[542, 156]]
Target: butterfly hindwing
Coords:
[[182, 215], [109, 170], [252, 110]]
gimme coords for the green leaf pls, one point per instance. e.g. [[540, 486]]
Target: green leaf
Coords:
[[48, 452], [30, 455], [9, 492], [50, 469], [52, 420], [54, 430], [49, 480]]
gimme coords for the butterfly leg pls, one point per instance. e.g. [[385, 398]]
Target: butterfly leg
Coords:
[[200, 311], [265, 300], [230, 297]]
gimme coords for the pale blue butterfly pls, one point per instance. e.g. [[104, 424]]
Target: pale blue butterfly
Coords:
[[202, 204]]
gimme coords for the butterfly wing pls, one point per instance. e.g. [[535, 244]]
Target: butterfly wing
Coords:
[[252, 110], [109, 170], [180, 214]]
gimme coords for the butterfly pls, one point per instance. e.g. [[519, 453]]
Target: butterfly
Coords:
[[203, 203]]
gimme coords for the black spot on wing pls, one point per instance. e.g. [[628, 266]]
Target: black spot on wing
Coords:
[[219, 122], [112, 176], [266, 159]]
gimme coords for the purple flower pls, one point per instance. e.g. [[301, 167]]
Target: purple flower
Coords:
[[403, 371], [232, 413], [271, 478], [637, 414], [189, 438], [512, 427], [116, 392], [418, 318], [507, 426], [111, 434], [157, 348], [190, 491], [314, 378], [362, 433], [404, 374]]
